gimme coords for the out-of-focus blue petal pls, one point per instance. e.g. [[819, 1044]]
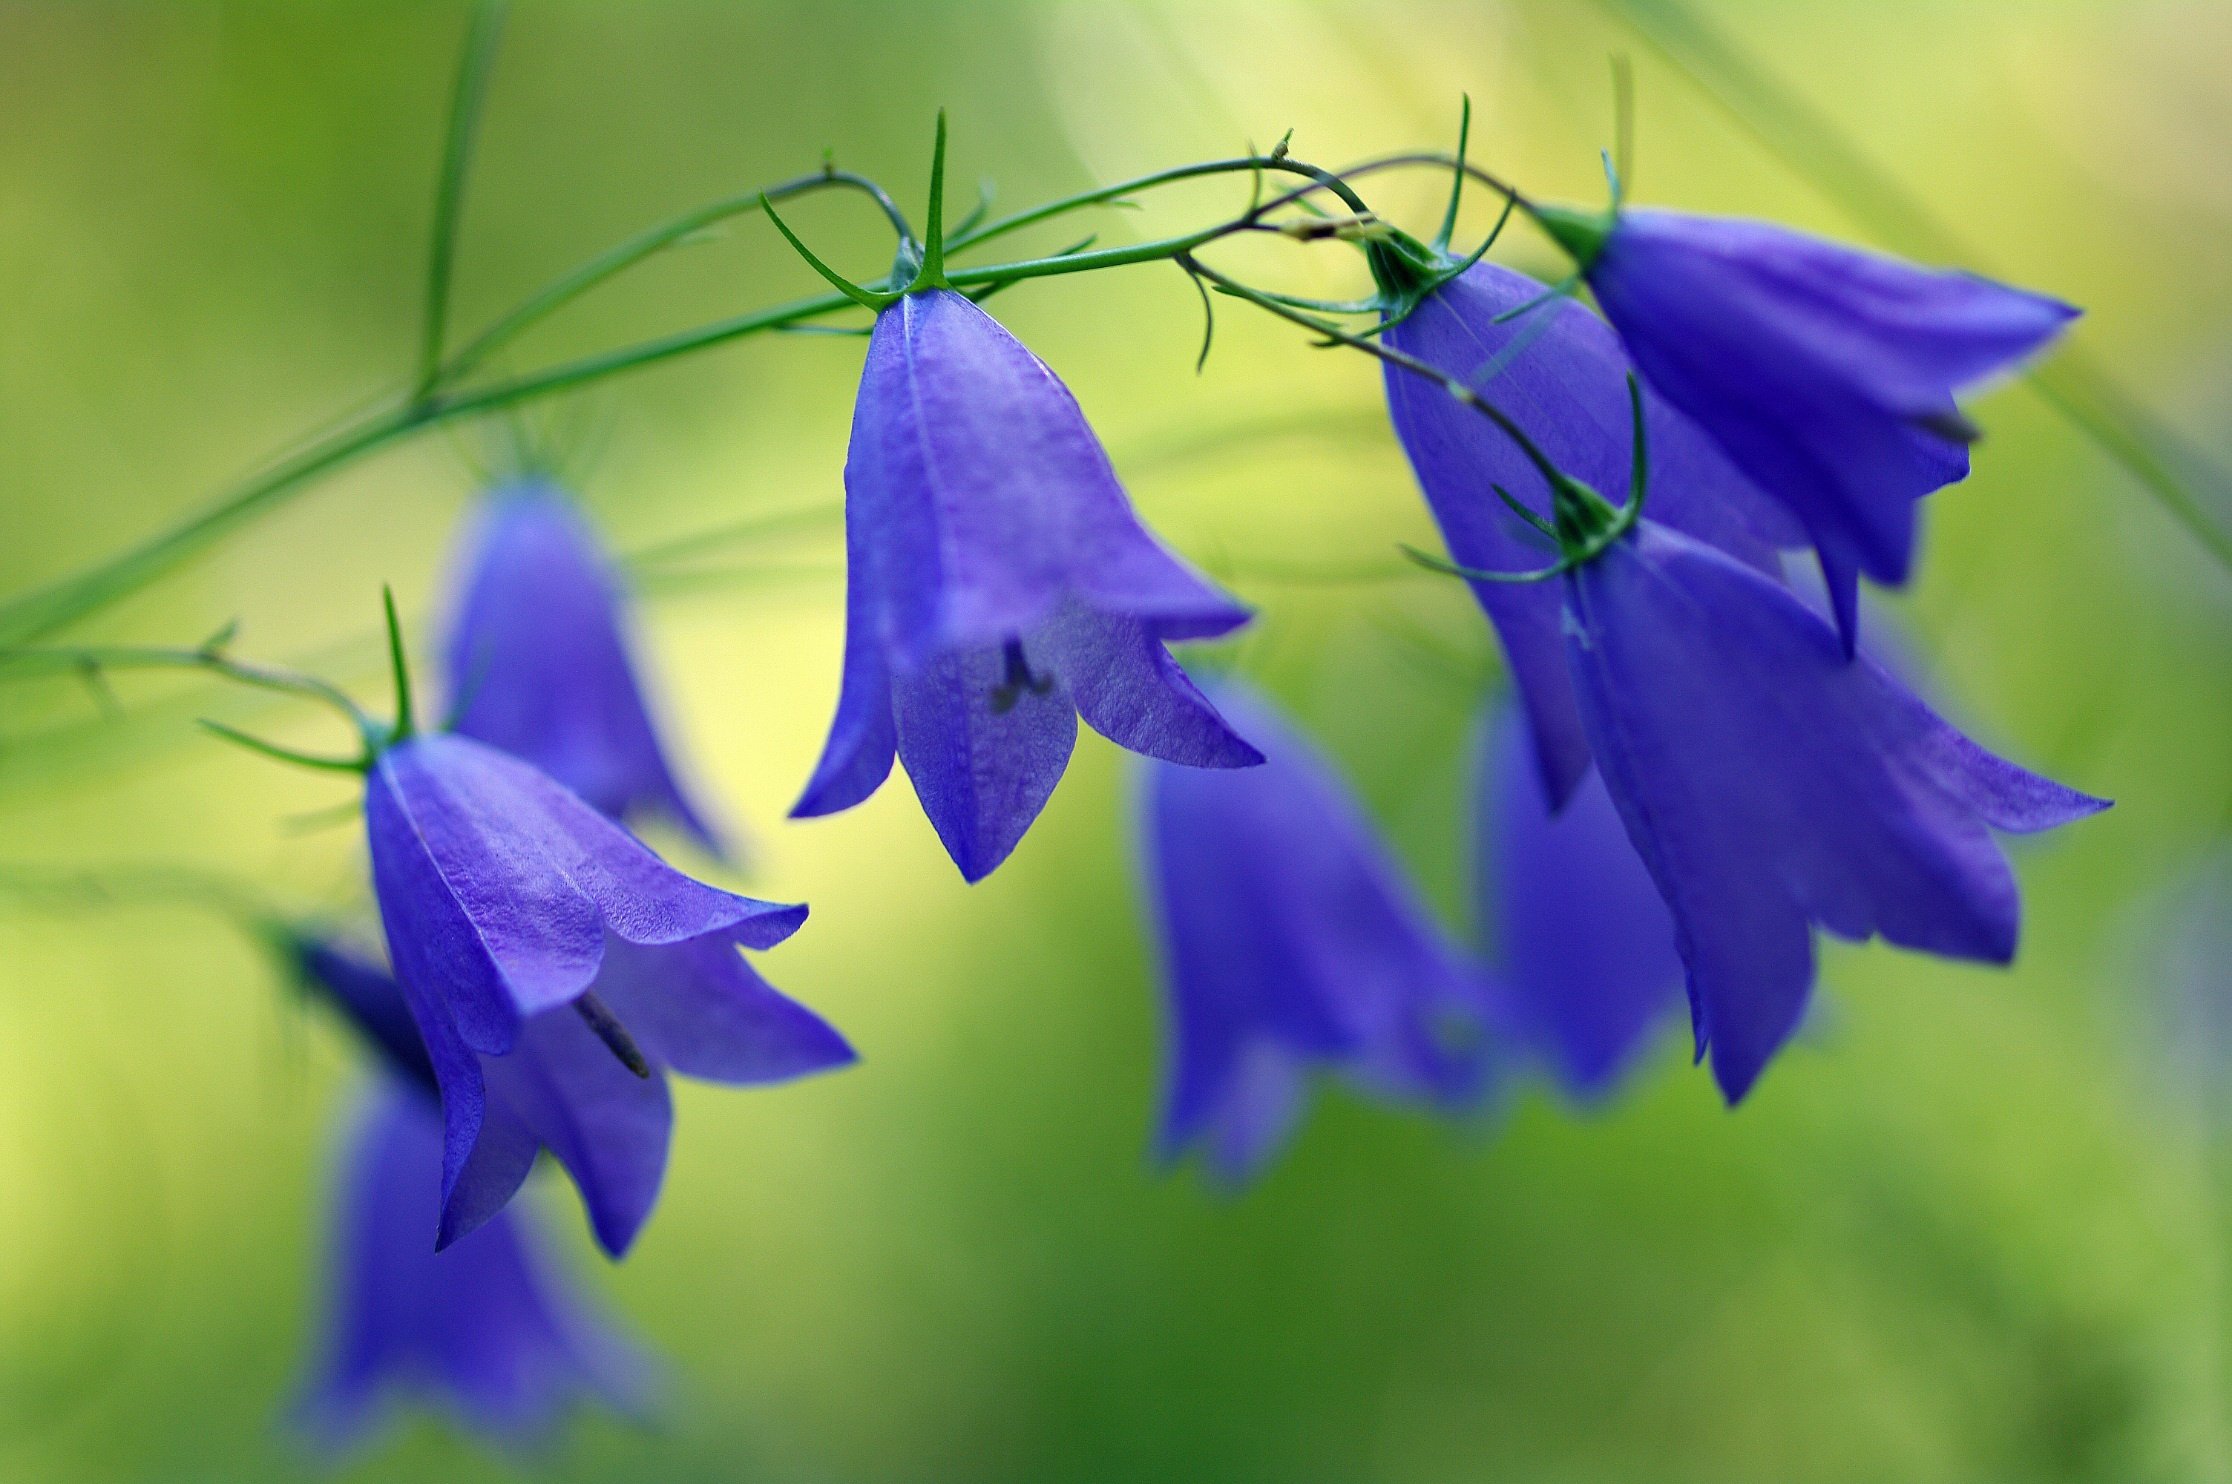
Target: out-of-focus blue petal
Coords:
[[1579, 940], [366, 994], [1291, 940], [539, 660], [487, 1330]]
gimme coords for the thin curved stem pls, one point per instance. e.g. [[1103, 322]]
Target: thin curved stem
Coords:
[[646, 559], [32, 615], [648, 244], [1455, 385], [1321, 180], [449, 193], [1101, 196], [598, 366], [1447, 568], [1437, 159], [98, 659], [41, 611]]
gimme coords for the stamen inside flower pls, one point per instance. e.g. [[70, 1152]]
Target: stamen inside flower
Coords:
[[1017, 678], [609, 1030]]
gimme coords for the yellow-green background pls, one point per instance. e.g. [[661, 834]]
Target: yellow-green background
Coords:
[[1967, 1231]]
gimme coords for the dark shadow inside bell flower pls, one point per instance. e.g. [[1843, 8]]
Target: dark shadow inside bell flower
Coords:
[[1772, 787], [1828, 374], [540, 659], [998, 587], [1293, 944], [556, 970], [489, 1330], [1560, 373]]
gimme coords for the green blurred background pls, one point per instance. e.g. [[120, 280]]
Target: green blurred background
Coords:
[[1971, 1229]]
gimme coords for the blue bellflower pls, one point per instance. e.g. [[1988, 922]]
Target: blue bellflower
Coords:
[[998, 587], [1580, 945], [1291, 943], [1827, 373], [556, 970], [1560, 373], [488, 1331], [1772, 786], [539, 660]]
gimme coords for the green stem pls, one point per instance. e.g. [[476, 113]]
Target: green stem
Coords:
[[617, 260], [1455, 385], [658, 554], [596, 367], [1321, 180], [40, 612], [449, 192], [99, 658]]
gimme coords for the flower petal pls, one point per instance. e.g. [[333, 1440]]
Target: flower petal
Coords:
[[488, 1325], [1909, 334], [1818, 368], [1289, 933], [1262, 1100], [539, 660], [982, 498], [496, 885], [473, 916], [1770, 785], [1580, 939], [982, 773], [607, 1126], [373, 1003], [699, 1008], [1561, 374], [1129, 689], [862, 739]]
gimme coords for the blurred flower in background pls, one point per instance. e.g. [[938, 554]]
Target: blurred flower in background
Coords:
[[540, 663], [486, 1330], [1576, 935], [1292, 945]]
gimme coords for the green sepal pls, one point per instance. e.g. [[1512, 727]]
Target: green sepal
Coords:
[[278, 753], [406, 722], [1407, 271], [1580, 235], [870, 299]]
